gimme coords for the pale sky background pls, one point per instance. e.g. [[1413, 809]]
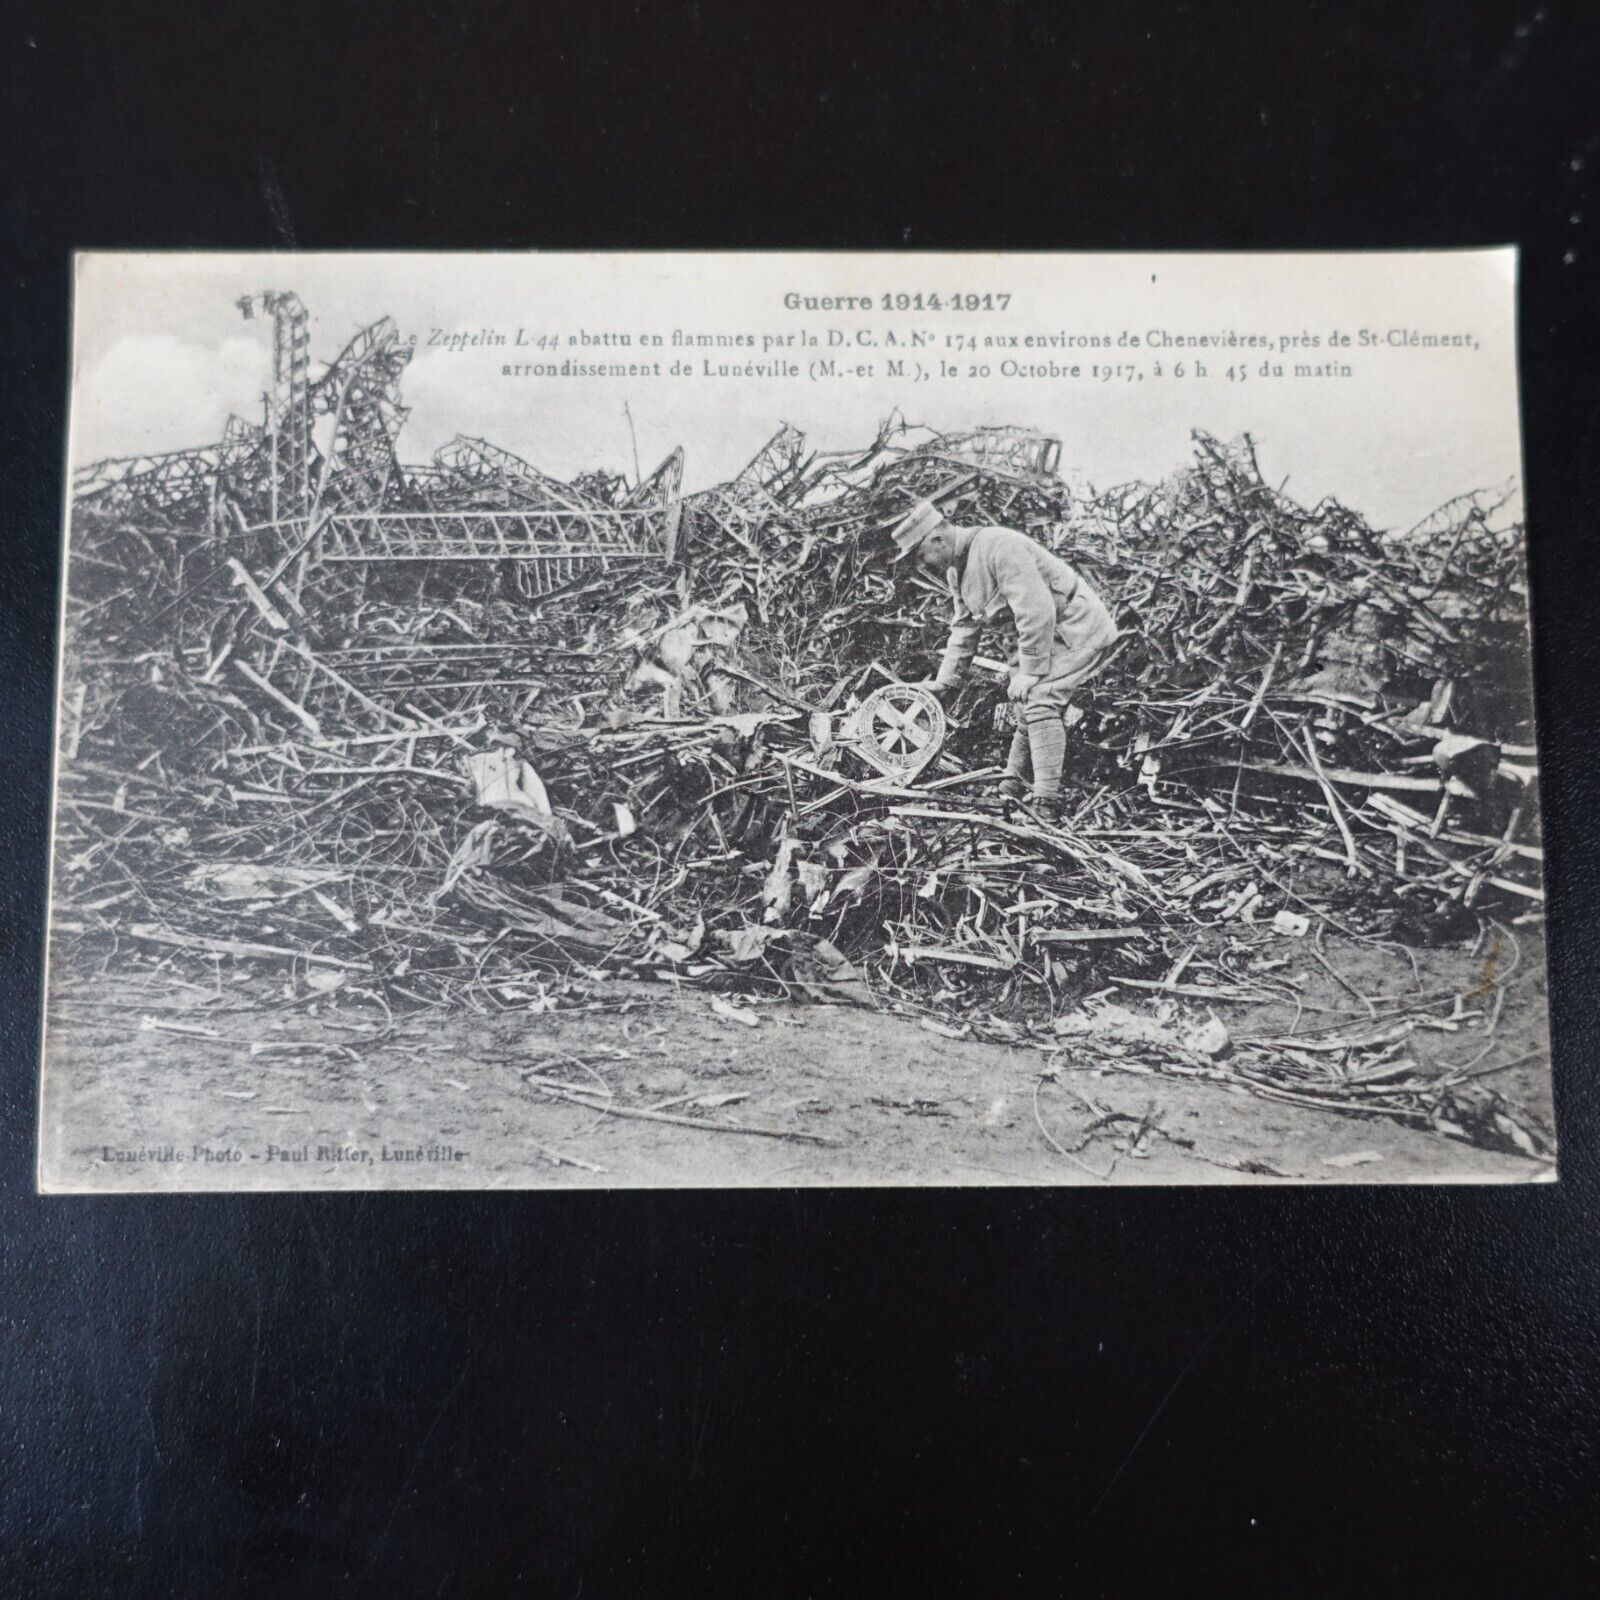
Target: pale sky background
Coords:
[[162, 355]]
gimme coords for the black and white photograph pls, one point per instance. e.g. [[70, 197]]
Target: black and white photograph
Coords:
[[726, 720]]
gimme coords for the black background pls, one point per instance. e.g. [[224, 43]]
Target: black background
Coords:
[[815, 1393]]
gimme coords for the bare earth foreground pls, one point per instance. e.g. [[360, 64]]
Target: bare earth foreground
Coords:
[[284, 1099]]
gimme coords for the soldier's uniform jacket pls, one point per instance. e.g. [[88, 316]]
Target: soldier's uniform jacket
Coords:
[[1063, 628]]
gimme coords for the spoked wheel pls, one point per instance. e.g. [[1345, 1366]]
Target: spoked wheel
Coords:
[[900, 729]]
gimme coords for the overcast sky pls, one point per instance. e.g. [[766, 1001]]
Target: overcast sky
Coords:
[[163, 354]]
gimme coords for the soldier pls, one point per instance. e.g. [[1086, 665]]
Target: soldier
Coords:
[[1064, 633]]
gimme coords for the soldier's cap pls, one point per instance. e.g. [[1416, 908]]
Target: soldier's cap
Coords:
[[914, 527]]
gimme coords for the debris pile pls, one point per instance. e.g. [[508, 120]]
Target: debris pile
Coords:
[[465, 734]]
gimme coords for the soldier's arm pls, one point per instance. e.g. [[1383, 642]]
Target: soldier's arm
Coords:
[[1031, 603], [959, 649]]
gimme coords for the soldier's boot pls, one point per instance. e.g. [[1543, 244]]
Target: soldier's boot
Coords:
[[1050, 809]]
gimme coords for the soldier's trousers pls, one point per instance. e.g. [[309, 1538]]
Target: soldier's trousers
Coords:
[[1041, 736]]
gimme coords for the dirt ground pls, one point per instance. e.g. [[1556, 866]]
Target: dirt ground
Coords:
[[289, 1098]]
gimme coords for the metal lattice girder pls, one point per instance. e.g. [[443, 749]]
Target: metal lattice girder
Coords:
[[289, 406], [424, 666], [437, 677], [538, 578], [519, 536], [1011, 449]]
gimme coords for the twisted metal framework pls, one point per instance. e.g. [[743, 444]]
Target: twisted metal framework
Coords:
[[154, 488], [244, 549], [484, 474], [1008, 449], [482, 503], [661, 493], [661, 488], [356, 507], [777, 465], [442, 678], [240, 440], [316, 695], [361, 391]]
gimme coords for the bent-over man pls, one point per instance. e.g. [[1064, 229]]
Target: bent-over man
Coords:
[[1064, 633]]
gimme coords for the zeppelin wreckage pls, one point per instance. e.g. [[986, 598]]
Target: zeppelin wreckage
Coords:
[[375, 735]]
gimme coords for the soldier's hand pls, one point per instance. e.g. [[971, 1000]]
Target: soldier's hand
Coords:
[[1020, 686]]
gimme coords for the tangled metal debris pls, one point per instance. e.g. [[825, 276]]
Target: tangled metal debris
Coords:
[[463, 734]]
